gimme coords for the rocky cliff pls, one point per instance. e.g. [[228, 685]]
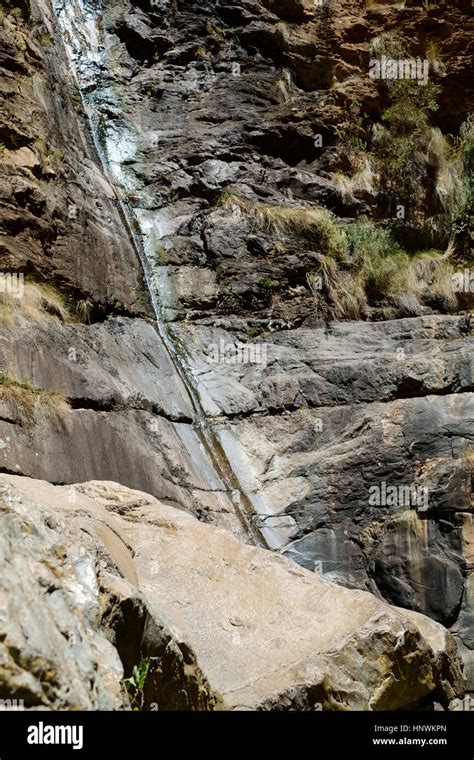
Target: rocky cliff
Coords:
[[238, 252]]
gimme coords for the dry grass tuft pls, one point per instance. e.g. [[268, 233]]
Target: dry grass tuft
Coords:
[[38, 302], [84, 310], [380, 274], [362, 268], [316, 225], [30, 404], [361, 181], [451, 190], [343, 292]]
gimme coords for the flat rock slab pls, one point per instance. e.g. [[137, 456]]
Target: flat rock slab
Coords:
[[131, 446], [119, 362], [263, 632], [342, 363]]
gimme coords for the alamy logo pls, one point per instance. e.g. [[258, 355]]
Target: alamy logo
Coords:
[[385, 495], [416, 69], [237, 353], [12, 283], [11, 704], [467, 703], [41, 734], [463, 282]]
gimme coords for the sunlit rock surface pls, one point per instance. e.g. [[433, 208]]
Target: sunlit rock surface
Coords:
[[226, 625], [118, 148]]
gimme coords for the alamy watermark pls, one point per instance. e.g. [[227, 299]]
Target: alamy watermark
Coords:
[[237, 353], [463, 282], [12, 283], [385, 495], [42, 733], [416, 69], [12, 705]]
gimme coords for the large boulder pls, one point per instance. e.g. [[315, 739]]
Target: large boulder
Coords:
[[229, 625]]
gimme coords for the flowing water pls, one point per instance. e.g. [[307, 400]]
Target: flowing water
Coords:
[[78, 26]]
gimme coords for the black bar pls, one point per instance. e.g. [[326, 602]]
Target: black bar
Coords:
[[316, 734]]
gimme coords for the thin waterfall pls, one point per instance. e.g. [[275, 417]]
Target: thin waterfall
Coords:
[[78, 25]]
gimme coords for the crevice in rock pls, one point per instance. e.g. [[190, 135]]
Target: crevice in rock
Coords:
[[290, 408], [174, 681], [112, 405], [286, 143]]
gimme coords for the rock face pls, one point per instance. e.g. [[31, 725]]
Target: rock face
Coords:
[[188, 357], [71, 615], [106, 570], [63, 222], [312, 417]]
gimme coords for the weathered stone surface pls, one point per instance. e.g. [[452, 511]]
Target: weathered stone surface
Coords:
[[52, 652], [134, 447], [260, 632], [186, 102], [65, 222], [117, 363], [60, 217], [72, 620], [310, 476], [343, 363]]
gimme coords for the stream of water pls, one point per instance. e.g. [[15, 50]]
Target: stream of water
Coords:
[[78, 26]]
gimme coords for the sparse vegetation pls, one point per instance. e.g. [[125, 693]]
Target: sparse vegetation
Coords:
[[75, 97], [361, 267], [408, 165], [161, 256], [380, 262], [44, 38], [203, 53], [214, 30], [176, 194], [50, 157], [316, 225], [450, 185], [402, 145], [433, 55], [38, 302], [340, 291], [381, 274], [135, 685], [29, 403], [362, 180], [41, 301], [388, 44], [84, 310]]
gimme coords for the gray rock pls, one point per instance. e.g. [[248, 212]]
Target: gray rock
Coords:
[[245, 629], [72, 620]]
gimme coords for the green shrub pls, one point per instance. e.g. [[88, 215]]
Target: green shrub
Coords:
[[401, 148], [381, 264], [379, 273], [135, 685]]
